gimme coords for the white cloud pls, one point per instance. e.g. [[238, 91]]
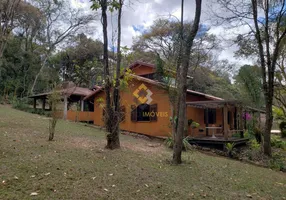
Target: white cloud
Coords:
[[142, 13]]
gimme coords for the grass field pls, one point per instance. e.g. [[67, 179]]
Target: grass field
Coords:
[[76, 166]]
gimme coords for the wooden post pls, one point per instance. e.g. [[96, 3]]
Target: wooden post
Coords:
[[207, 121], [225, 129], [35, 103], [235, 118], [81, 105], [240, 122], [65, 106], [44, 104]]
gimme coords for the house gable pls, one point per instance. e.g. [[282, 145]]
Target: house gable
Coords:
[[141, 68]]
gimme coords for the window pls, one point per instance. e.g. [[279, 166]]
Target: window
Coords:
[[210, 116], [144, 113]]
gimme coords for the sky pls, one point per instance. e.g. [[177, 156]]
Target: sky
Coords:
[[138, 16]]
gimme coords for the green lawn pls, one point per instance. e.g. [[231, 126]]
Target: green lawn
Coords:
[[76, 166]]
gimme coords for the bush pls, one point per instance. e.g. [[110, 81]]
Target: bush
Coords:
[[254, 145], [278, 143], [277, 162], [282, 127], [257, 134], [230, 148], [21, 104], [186, 145]]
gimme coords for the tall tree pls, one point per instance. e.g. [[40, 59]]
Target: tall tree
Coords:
[[112, 101], [7, 12], [61, 21], [267, 28], [249, 82], [80, 62], [182, 84]]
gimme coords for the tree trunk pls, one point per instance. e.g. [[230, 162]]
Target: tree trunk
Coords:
[[268, 126], [113, 141], [38, 74], [182, 86]]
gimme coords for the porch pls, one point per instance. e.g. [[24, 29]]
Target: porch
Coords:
[[72, 107], [219, 121], [207, 140]]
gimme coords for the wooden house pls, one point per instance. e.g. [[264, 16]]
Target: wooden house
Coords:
[[146, 106]]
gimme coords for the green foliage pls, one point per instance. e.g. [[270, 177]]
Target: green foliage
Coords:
[[159, 75], [278, 162], [169, 142], [278, 142], [112, 5], [126, 78], [229, 147], [80, 62], [254, 145], [19, 104], [249, 84], [278, 113]]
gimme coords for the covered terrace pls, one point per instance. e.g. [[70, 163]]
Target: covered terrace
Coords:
[[232, 121], [74, 107]]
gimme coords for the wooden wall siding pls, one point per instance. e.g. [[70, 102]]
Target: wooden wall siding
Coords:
[[77, 116], [161, 127], [142, 70], [80, 116]]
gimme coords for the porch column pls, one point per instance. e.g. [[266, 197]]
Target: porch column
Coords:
[[240, 122], [35, 103], [259, 120], [65, 106], [235, 118], [225, 129], [81, 105], [44, 104], [207, 121]]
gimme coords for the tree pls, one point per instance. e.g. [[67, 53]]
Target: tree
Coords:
[[249, 82], [163, 39], [265, 21], [80, 62], [54, 100], [7, 12], [182, 84], [113, 138], [61, 22], [112, 102]]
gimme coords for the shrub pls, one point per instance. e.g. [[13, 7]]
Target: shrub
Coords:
[[230, 147], [254, 145], [257, 134], [278, 143], [277, 162], [170, 143], [282, 127]]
